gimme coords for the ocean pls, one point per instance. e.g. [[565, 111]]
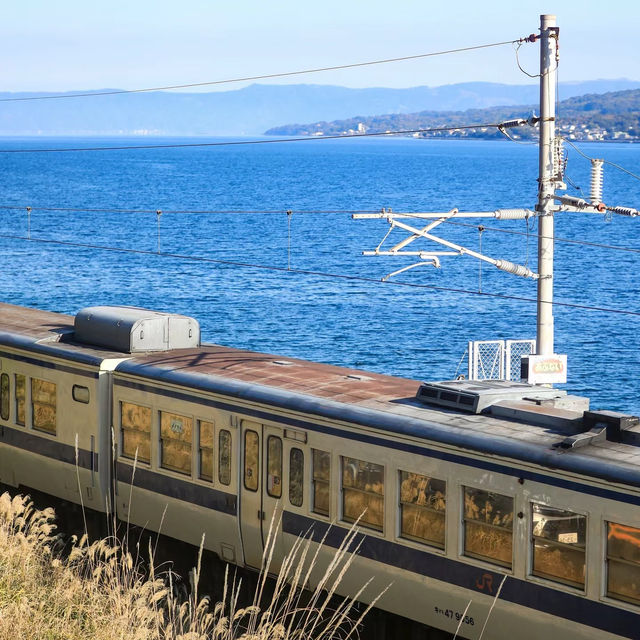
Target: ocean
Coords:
[[230, 269]]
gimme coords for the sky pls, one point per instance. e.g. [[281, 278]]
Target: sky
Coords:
[[71, 45]]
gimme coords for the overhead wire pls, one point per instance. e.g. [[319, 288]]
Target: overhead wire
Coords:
[[230, 143], [584, 155], [517, 51], [309, 272], [506, 134], [267, 76], [575, 186], [610, 141], [518, 44], [282, 211], [612, 164], [188, 211]]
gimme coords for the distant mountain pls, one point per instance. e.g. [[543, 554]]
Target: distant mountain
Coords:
[[253, 109], [609, 116]]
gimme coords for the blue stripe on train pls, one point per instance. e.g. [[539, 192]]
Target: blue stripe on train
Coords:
[[28, 440], [185, 490]]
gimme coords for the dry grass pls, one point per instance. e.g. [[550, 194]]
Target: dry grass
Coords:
[[98, 592]]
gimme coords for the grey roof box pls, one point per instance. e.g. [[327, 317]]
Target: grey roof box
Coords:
[[475, 396], [134, 330]]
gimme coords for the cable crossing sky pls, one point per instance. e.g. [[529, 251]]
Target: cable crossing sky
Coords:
[[233, 143], [93, 94]]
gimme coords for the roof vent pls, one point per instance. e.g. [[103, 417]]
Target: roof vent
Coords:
[[474, 396], [134, 330]]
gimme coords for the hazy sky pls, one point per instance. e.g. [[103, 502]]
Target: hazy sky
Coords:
[[78, 44]]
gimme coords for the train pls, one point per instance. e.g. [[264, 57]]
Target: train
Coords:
[[471, 498]]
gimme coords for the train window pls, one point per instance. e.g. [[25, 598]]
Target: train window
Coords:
[[176, 433], [363, 493], [251, 460], [623, 562], [43, 405], [274, 467], [422, 508], [136, 431], [224, 457], [559, 538], [80, 394], [296, 477], [4, 396], [21, 392], [205, 450], [321, 474], [488, 526]]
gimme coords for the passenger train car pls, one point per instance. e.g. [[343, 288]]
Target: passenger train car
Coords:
[[466, 491]]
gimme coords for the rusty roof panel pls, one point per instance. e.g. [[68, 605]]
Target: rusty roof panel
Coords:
[[313, 378]]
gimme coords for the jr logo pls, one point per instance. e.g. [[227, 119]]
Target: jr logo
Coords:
[[485, 583]]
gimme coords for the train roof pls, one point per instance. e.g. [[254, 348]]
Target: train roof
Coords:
[[389, 403], [48, 333], [366, 399]]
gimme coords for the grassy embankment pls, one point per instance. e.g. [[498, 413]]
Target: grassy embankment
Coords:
[[99, 591]]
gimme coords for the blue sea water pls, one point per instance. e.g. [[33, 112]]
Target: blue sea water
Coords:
[[408, 331]]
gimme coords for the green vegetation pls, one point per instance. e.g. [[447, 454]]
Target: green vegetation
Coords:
[[99, 592], [608, 116]]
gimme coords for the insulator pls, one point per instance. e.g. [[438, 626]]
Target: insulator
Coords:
[[516, 269], [595, 194], [513, 214], [625, 211], [572, 201], [559, 161], [509, 124]]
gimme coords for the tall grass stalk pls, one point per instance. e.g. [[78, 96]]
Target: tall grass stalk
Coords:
[[462, 617], [84, 517], [100, 592], [493, 604]]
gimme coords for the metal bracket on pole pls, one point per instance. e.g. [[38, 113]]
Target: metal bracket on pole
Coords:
[[431, 258], [498, 214]]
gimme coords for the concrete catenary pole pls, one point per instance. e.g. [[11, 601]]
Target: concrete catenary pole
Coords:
[[547, 182]]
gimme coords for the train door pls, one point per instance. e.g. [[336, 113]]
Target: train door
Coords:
[[260, 488], [273, 492], [251, 512]]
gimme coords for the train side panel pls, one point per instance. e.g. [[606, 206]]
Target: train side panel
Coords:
[[53, 436], [449, 558], [455, 585], [176, 466]]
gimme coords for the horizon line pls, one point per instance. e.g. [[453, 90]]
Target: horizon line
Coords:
[[314, 84]]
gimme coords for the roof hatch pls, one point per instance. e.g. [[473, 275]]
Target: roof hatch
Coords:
[[134, 330]]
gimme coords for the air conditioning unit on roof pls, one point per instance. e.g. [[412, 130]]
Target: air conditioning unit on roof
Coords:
[[474, 396]]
